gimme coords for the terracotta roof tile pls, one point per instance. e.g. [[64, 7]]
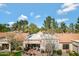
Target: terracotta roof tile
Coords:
[[67, 37], [17, 36], [62, 37]]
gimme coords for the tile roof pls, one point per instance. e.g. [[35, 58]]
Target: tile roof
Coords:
[[67, 37], [39, 36], [62, 37], [17, 36], [2, 34]]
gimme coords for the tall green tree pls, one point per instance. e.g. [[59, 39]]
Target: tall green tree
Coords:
[[33, 28], [54, 25], [71, 27], [47, 23], [63, 27], [50, 24], [4, 28], [21, 25], [77, 26], [14, 27]]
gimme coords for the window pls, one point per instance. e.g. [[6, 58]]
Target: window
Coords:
[[65, 46]]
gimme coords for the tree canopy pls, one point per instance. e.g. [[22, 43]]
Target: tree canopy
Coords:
[[49, 25], [33, 28]]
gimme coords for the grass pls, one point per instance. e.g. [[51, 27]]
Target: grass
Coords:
[[4, 53], [17, 53]]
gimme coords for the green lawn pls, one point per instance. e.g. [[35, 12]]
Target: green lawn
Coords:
[[17, 53]]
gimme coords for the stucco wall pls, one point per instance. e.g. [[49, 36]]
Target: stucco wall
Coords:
[[70, 47], [60, 46]]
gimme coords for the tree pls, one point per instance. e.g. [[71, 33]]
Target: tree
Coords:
[[14, 27], [14, 43], [50, 24], [4, 28], [51, 43], [47, 23], [54, 25], [33, 28], [63, 27], [71, 27], [21, 25], [10, 38], [77, 26], [42, 29], [58, 30]]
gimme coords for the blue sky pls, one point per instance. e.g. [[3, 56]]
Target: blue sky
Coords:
[[36, 13]]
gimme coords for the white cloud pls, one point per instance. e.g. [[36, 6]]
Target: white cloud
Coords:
[[11, 23], [66, 4], [2, 5], [32, 13], [62, 20], [22, 17], [67, 7], [2, 10], [7, 12], [37, 16]]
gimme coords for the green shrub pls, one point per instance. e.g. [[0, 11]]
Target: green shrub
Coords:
[[54, 51], [76, 54], [18, 48], [17, 53], [12, 54], [4, 53], [73, 53], [59, 52]]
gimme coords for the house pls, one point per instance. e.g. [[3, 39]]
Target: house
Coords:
[[62, 41], [4, 44], [40, 40], [75, 44], [4, 40], [65, 40]]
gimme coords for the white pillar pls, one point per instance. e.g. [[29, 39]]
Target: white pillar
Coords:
[[70, 47], [9, 47], [60, 46], [24, 44]]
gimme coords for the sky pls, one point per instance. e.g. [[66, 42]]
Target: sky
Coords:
[[37, 12]]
